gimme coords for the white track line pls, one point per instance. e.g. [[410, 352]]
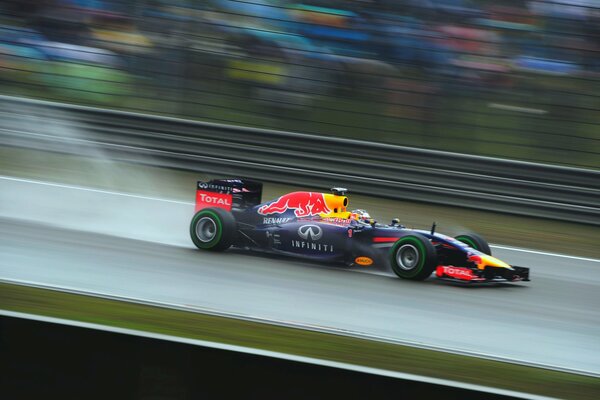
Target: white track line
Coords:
[[109, 192], [544, 253], [87, 189]]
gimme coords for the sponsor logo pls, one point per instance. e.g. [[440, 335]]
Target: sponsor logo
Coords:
[[474, 258], [212, 186], [312, 232], [274, 221], [211, 199], [336, 220], [274, 238], [302, 244], [303, 203], [366, 261], [455, 272], [214, 200]]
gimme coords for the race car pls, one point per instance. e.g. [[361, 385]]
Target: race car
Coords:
[[318, 226]]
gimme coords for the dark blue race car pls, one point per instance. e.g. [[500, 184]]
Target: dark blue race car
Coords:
[[318, 226]]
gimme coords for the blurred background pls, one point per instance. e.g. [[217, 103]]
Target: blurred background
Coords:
[[516, 79], [101, 202]]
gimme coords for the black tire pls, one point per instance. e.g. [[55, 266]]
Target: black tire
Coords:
[[213, 229], [475, 241], [413, 257]]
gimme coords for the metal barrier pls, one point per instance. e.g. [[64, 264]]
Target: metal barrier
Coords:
[[369, 168]]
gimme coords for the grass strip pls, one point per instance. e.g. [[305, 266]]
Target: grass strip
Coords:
[[298, 342]]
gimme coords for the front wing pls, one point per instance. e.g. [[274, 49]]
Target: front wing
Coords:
[[487, 275]]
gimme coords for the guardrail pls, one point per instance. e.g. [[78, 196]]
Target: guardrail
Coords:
[[370, 168]]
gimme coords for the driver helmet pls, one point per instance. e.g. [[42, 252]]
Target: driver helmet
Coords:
[[361, 215]]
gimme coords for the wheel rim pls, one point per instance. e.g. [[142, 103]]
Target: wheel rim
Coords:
[[407, 257], [206, 229]]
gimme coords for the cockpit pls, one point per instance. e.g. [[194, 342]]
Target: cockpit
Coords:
[[337, 203]]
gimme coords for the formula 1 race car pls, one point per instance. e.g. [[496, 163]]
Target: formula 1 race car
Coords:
[[317, 226]]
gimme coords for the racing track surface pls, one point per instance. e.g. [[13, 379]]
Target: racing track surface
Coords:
[[553, 320]]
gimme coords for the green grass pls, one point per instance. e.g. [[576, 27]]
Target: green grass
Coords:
[[298, 342]]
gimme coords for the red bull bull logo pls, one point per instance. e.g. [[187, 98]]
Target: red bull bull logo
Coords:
[[304, 204]]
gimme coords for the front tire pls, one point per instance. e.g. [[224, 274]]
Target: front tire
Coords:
[[213, 229], [475, 241], [413, 257]]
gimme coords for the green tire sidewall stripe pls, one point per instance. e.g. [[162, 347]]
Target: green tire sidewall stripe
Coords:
[[422, 255], [467, 241], [217, 221]]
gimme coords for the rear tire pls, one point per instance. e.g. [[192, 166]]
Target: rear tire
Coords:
[[413, 257], [213, 229], [475, 241]]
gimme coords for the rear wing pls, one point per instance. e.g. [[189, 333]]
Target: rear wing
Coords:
[[228, 194]]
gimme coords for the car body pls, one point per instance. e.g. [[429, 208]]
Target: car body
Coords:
[[318, 226]]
